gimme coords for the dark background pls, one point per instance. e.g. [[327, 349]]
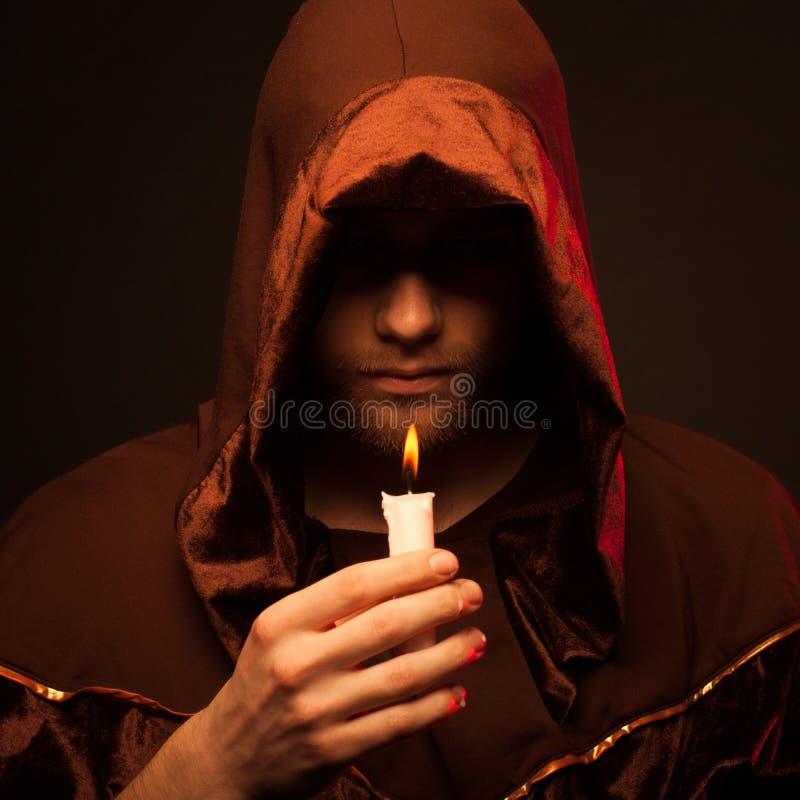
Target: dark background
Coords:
[[127, 133]]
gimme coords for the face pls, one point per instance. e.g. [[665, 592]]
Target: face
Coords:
[[420, 297]]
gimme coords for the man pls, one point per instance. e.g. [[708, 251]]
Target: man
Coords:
[[206, 610]]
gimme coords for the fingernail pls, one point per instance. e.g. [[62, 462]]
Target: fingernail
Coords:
[[444, 563], [479, 644], [459, 697], [471, 593]]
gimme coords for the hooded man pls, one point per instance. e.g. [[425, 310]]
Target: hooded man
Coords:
[[208, 610]]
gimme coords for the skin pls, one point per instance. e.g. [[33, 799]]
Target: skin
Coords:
[[298, 707]]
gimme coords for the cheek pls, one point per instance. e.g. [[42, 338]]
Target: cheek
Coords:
[[475, 320], [345, 323]]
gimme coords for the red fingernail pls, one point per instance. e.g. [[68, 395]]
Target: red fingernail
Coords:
[[459, 698], [477, 649]]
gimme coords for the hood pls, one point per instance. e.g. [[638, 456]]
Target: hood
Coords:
[[405, 104]]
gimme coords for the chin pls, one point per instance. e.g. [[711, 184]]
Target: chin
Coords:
[[387, 436]]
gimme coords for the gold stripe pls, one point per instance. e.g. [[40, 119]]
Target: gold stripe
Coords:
[[593, 753], [587, 757], [49, 693], [58, 696]]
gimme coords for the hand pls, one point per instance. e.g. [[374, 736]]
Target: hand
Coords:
[[298, 708]]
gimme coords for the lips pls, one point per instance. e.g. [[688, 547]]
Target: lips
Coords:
[[409, 374], [423, 379]]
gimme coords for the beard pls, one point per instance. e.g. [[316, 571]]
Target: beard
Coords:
[[379, 420]]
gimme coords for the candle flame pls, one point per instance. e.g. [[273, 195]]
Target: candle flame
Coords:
[[411, 456]]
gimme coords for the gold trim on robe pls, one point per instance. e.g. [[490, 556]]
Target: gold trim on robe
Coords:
[[49, 693], [58, 696], [593, 753], [587, 757]]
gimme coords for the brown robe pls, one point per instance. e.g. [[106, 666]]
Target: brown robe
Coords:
[[649, 574]]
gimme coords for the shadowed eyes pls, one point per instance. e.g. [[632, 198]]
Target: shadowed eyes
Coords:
[[367, 261], [441, 249]]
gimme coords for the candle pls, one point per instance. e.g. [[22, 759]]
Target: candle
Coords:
[[410, 520]]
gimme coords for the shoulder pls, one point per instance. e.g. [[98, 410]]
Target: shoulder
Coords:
[[688, 454], [115, 509], [113, 506], [721, 523], [666, 460], [147, 467], [90, 569]]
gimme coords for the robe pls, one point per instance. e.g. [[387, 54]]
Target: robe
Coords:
[[648, 582]]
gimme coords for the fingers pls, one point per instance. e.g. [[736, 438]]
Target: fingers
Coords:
[[398, 679], [346, 741], [357, 587], [395, 621]]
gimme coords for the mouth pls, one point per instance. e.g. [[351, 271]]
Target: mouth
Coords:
[[398, 381]]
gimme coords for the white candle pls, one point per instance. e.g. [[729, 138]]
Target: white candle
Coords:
[[410, 520]]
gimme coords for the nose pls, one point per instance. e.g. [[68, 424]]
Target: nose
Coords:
[[410, 312]]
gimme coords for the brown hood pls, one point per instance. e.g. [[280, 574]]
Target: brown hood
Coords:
[[406, 104]]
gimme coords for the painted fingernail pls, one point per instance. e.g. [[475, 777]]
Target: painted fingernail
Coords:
[[479, 643], [459, 697], [444, 563]]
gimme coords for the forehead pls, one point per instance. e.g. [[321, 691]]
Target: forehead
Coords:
[[420, 225]]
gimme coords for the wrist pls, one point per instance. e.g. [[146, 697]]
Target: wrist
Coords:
[[182, 768], [199, 762]]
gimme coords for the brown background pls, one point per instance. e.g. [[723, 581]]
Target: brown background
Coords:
[[128, 138]]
